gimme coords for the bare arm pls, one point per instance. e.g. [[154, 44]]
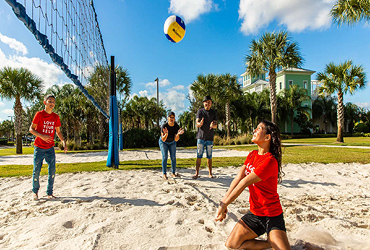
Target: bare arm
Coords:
[[180, 132], [236, 188], [199, 122], [164, 134], [245, 182], [46, 138], [235, 182], [59, 134], [213, 125]]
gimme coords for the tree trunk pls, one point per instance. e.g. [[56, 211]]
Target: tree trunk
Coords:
[[292, 124], [101, 128], [76, 133], [227, 109], [272, 76], [18, 124], [340, 118]]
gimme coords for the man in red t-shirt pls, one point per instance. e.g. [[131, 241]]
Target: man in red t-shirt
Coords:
[[44, 126]]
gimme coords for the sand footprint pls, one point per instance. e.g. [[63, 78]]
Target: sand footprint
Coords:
[[68, 224], [191, 200]]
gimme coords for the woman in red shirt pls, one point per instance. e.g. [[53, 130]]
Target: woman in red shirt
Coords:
[[261, 173]]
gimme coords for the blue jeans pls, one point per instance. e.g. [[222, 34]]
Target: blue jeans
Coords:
[[165, 147], [201, 145], [39, 155]]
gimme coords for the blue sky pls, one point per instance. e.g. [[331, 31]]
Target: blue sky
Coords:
[[217, 39]]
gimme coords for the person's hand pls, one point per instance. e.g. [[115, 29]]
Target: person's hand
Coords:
[[181, 131], [46, 138], [65, 147], [200, 124], [221, 212], [213, 123], [165, 131]]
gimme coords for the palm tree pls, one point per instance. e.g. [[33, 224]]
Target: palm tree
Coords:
[[62, 95], [257, 107], [228, 90], [186, 120], [7, 127], [350, 11], [325, 107], [271, 52], [99, 89], [293, 97], [204, 85], [351, 115], [19, 84], [341, 78]]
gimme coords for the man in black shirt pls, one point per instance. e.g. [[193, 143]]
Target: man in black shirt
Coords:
[[206, 122]]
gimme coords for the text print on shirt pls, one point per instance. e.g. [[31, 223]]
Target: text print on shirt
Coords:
[[249, 169], [48, 127]]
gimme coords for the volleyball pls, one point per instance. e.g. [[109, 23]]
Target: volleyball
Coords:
[[174, 28]]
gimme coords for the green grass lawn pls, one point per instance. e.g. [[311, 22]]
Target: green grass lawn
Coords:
[[348, 141], [291, 154], [29, 150]]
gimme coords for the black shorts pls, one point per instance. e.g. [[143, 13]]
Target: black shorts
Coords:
[[264, 224]]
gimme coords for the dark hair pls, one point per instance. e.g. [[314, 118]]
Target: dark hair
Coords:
[[48, 96], [275, 145]]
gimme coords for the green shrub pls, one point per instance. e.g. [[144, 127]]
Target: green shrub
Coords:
[[3, 141], [140, 138], [361, 134], [361, 127], [216, 140], [70, 145], [187, 139]]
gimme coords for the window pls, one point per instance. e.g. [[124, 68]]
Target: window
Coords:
[[290, 82], [305, 84], [281, 85]]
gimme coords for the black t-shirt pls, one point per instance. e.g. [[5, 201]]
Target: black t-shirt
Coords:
[[204, 133], [172, 131]]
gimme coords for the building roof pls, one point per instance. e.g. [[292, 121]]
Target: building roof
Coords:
[[258, 82], [246, 73], [295, 71]]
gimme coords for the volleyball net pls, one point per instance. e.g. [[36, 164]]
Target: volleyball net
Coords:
[[68, 30]]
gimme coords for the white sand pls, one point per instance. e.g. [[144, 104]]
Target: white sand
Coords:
[[324, 204], [123, 156]]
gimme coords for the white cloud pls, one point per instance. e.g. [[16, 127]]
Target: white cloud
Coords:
[[295, 15], [7, 112], [2, 104], [173, 100], [161, 82], [14, 44], [164, 83], [365, 105], [191, 9], [143, 93], [191, 95], [48, 72], [179, 87]]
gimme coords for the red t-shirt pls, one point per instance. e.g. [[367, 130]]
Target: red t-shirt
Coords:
[[263, 197], [46, 124]]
